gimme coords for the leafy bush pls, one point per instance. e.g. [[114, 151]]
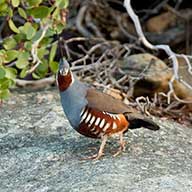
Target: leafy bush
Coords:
[[27, 48]]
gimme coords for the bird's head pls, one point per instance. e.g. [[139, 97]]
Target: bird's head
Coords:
[[64, 75]]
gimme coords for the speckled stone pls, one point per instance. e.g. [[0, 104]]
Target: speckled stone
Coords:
[[40, 152]]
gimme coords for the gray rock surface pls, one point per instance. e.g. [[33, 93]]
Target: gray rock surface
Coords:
[[40, 152]]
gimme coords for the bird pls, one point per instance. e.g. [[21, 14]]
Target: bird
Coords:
[[95, 114]]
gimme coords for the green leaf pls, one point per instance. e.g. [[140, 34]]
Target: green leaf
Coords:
[[22, 13], [59, 28], [2, 56], [43, 67], [1, 60], [50, 32], [15, 3], [4, 94], [11, 55], [41, 52], [39, 12], [11, 73], [62, 3], [23, 73], [37, 35], [2, 73], [9, 43], [13, 27], [2, 52], [29, 30], [2, 2], [22, 61], [35, 76], [28, 45], [52, 52], [46, 41], [5, 83], [19, 37], [54, 66], [10, 12], [34, 2], [56, 14], [3, 9], [35, 26]]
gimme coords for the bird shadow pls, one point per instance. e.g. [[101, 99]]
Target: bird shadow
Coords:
[[68, 147]]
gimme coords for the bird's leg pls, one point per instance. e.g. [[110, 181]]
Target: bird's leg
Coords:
[[102, 146], [122, 145], [100, 152]]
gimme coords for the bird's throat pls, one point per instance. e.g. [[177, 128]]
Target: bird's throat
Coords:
[[64, 81]]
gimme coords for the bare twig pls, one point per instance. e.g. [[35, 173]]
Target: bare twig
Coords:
[[35, 45], [144, 107], [35, 83], [187, 62], [83, 39], [89, 52]]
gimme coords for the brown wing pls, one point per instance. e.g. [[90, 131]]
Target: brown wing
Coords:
[[107, 103]]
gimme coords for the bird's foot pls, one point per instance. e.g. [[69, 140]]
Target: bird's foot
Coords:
[[100, 152], [93, 157], [121, 149], [117, 152]]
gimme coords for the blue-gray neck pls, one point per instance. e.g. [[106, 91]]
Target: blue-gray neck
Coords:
[[73, 100]]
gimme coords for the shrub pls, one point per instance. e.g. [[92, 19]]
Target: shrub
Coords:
[[27, 29]]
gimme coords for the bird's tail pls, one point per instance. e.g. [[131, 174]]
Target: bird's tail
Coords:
[[138, 121]]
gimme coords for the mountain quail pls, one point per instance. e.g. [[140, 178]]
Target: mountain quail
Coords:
[[95, 114]]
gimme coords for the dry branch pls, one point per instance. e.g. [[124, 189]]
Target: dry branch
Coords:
[[35, 58], [35, 83]]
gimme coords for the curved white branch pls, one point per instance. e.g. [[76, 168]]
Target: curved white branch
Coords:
[[35, 45]]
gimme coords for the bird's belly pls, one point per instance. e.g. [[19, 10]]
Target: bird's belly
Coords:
[[96, 124]]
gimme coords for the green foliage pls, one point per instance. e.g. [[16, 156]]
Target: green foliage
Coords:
[[2, 73], [29, 27], [12, 26], [9, 43], [15, 3], [22, 13], [39, 12], [22, 60]]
